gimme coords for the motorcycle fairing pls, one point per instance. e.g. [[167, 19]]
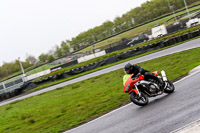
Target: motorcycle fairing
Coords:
[[129, 83]]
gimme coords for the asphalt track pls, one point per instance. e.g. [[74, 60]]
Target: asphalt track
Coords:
[[163, 114], [182, 47]]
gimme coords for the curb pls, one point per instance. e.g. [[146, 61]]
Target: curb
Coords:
[[193, 127], [194, 70]]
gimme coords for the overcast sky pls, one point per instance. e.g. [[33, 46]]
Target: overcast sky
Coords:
[[35, 26]]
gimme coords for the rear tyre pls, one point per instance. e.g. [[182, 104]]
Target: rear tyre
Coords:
[[140, 101], [170, 87]]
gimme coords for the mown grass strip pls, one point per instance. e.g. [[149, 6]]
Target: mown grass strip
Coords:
[[72, 105]]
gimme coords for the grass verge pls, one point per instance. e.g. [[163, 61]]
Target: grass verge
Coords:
[[72, 105]]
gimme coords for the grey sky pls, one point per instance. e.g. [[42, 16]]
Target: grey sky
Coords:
[[35, 26]]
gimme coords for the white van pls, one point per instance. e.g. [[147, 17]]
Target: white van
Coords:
[[159, 31]]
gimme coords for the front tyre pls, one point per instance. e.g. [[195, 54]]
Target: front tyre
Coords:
[[140, 101], [169, 87]]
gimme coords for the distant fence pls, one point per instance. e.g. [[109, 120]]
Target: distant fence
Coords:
[[74, 62], [42, 73], [11, 87], [91, 56], [36, 75]]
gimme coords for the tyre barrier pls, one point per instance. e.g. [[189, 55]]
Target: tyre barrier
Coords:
[[177, 39], [195, 33], [74, 62], [171, 42], [11, 94], [1, 87], [185, 37], [58, 76], [118, 47], [2, 97], [29, 87]]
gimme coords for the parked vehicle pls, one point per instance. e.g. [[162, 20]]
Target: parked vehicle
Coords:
[[139, 89], [159, 31], [138, 39], [193, 22]]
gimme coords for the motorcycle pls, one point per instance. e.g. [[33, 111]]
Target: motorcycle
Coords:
[[139, 89]]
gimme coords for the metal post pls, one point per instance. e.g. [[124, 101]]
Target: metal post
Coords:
[[22, 69], [4, 87], [187, 9], [174, 14], [23, 78], [94, 47], [172, 8], [21, 66]]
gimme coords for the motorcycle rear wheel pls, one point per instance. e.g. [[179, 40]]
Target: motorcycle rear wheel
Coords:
[[170, 87], [140, 101]]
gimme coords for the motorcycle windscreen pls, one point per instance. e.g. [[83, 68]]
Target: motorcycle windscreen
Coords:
[[125, 78], [128, 82]]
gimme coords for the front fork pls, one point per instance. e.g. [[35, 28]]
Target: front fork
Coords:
[[139, 93], [136, 90]]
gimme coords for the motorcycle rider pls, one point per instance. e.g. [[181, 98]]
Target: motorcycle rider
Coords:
[[138, 70]]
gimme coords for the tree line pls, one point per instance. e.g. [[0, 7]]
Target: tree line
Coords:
[[147, 11], [9, 68]]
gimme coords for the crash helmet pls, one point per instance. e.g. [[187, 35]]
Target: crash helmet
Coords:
[[127, 68]]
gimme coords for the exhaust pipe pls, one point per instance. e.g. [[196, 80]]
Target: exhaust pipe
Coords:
[[164, 75]]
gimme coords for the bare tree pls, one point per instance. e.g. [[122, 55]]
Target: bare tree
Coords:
[[31, 59]]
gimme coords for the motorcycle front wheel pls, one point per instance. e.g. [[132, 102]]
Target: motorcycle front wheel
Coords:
[[140, 101]]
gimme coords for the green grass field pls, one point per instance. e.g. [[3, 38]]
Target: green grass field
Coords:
[[69, 106]]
